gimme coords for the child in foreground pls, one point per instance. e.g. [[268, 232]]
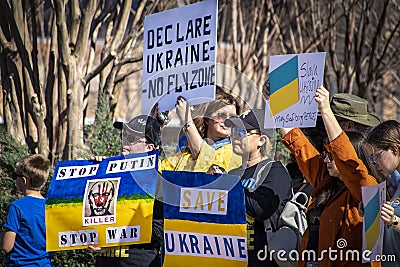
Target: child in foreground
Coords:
[[24, 236]]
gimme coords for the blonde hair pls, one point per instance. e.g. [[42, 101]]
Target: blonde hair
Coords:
[[36, 168], [222, 99]]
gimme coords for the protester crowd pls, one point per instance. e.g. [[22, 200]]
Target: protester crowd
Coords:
[[348, 149]]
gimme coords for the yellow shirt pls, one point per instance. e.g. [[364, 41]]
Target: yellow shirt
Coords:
[[222, 156]]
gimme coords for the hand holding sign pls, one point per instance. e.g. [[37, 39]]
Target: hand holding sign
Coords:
[[179, 56], [183, 111], [322, 98], [387, 213], [90, 203], [294, 80]]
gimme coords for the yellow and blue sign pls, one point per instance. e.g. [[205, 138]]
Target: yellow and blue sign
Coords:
[[284, 85], [373, 199], [372, 221], [293, 81], [105, 204], [205, 220]]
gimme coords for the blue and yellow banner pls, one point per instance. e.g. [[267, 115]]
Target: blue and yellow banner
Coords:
[[103, 204], [284, 85], [293, 80], [205, 220]]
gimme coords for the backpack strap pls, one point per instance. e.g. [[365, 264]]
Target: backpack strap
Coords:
[[261, 176], [268, 225]]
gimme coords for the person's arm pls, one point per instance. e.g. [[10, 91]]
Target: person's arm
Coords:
[[98, 249], [332, 126], [8, 240], [158, 222], [352, 170], [262, 203], [11, 227], [192, 134]]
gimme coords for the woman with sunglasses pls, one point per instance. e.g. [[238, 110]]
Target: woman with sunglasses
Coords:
[[208, 145], [383, 148], [337, 176]]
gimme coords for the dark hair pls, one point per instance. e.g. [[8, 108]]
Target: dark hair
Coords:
[[372, 170], [332, 187], [35, 168], [384, 135], [317, 135]]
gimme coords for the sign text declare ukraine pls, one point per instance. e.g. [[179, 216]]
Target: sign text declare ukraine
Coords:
[[179, 56]]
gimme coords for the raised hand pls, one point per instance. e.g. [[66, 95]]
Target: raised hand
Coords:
[[98, 158], [322, 98], [183, 110]]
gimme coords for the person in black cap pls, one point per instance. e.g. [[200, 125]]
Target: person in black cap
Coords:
[[141, 134], [267, 184]]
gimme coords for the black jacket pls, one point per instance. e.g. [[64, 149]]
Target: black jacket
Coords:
[[265, 201]]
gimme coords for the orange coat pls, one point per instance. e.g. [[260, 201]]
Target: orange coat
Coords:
[[339, 219]]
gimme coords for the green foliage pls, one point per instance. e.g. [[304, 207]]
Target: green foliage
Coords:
[[145, 197], [281, 152], [73, 258], [10, 152], [54, 200], [167, 150]]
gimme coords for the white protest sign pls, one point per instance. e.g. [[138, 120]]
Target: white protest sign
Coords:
[[179, 56], [293, 81]]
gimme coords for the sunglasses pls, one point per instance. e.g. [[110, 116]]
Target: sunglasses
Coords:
[[325, 154], [375, 158], [223, 116], [162, 117], [241, 132]]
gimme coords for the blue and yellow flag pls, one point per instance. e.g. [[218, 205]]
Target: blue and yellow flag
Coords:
[[104, 204], [284, 86], [205, 220], [371, 221], [373, 199]]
